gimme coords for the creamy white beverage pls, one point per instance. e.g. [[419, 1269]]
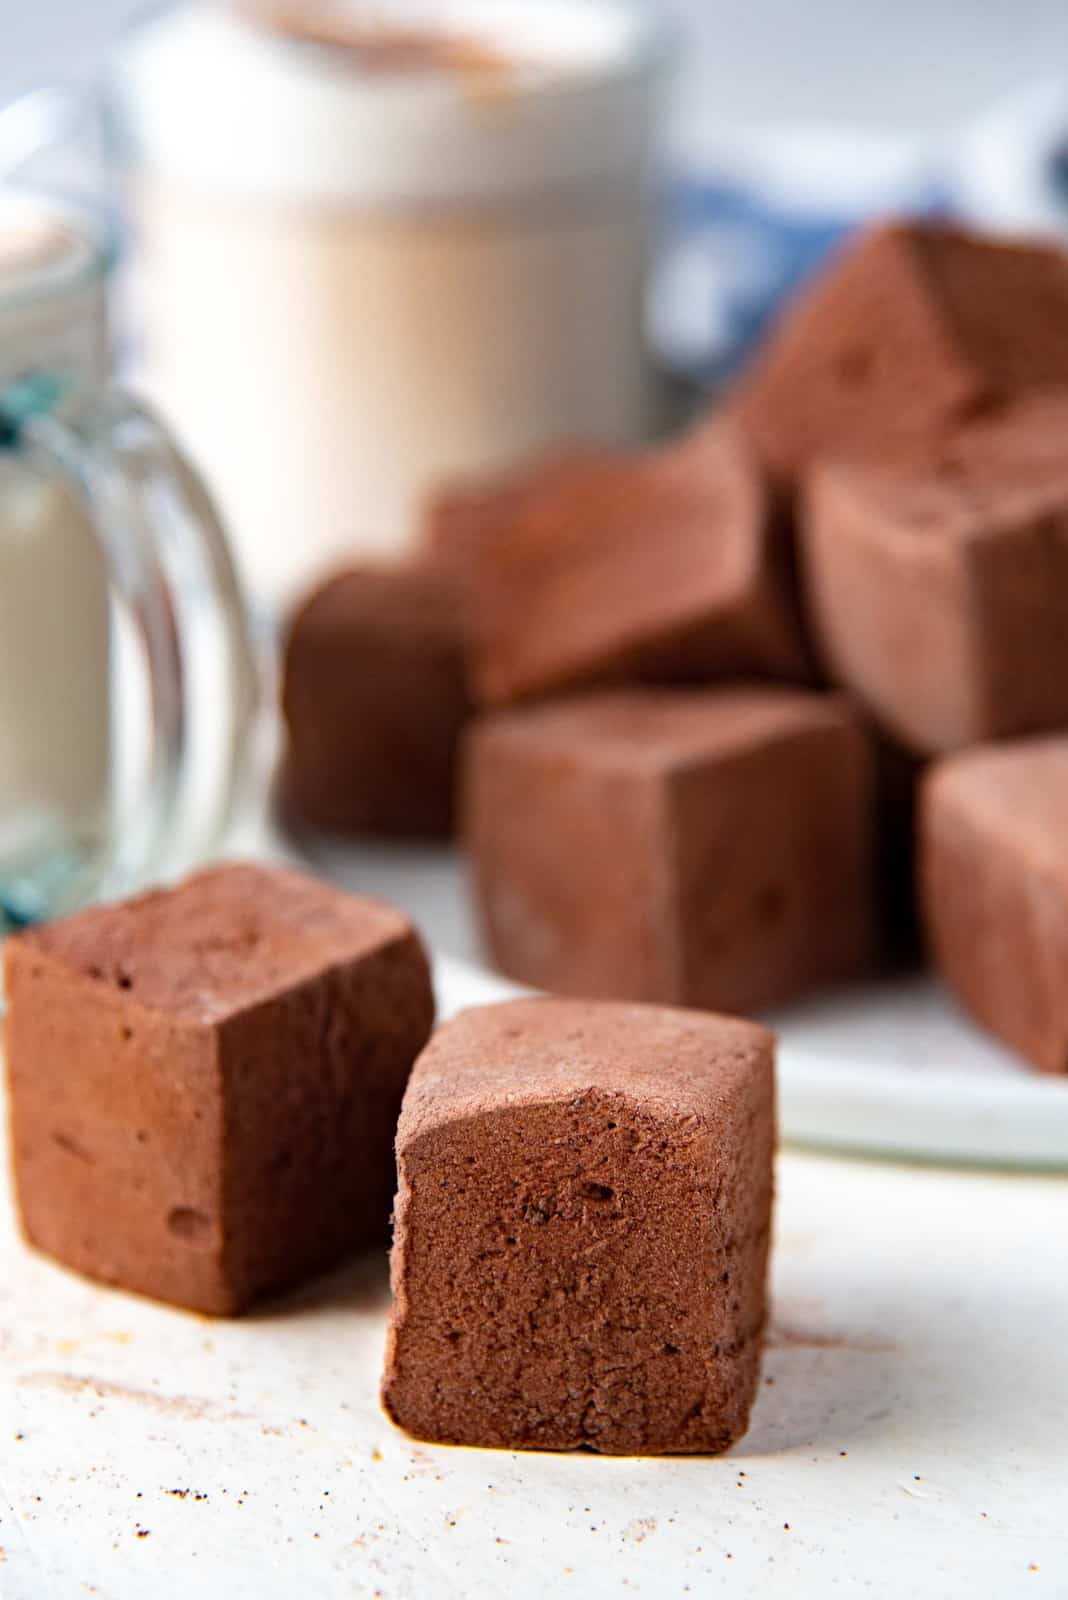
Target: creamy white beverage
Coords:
[[385, 245], [55, 734], [54, 669]]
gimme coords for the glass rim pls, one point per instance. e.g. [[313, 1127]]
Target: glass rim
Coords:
[[74, 271], [147, 130], [654, 42]]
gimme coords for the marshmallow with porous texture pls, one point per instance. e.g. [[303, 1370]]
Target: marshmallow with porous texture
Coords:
[[912, 327], [707, 847], [668, 565], [994, 884], [375, 696], [205, 1082], [582, 1230], [938, 590]]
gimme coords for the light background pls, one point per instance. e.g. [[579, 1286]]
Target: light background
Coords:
[[890, 64]]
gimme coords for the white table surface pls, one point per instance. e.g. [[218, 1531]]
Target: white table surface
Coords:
[[910, 1438]]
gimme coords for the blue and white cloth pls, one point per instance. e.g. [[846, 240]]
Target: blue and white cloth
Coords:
[[746, 225]]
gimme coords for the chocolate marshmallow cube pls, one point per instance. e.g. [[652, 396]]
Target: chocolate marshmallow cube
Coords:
[[707, 847], [460, 515], [994, 884], [910, 329], [205, 1082], [582, 1230], [375, 695], [669, 565], [939, 593]]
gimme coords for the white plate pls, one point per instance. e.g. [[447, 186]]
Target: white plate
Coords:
[[891, 1068]]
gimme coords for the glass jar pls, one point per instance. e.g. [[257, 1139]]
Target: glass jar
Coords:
[[108, 542], [383, 247]]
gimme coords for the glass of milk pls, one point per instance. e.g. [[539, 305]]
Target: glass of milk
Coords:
[[383, 243], [108, 543]]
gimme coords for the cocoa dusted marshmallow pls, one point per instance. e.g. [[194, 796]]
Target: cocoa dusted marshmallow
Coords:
[[911, 328], [938, 592], [375, 696], [205, 1082], [582, 1230], [461, 514], [994, 886], [708, 847], [667, 565]]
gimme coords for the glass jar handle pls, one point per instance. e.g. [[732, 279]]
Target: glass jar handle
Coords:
[[170, 564], [40, 120]]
